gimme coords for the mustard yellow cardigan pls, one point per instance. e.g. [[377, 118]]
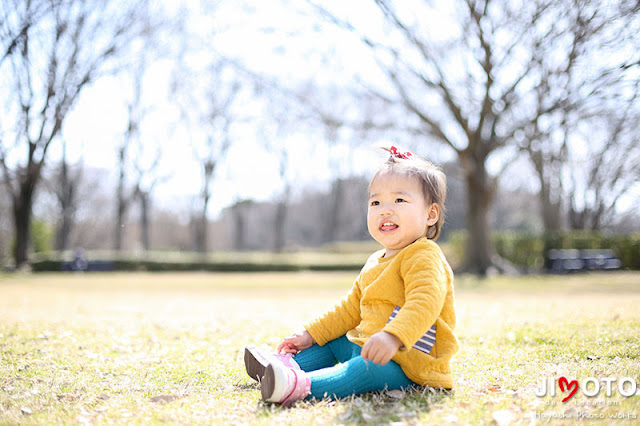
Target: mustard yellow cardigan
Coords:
[[405, 295]]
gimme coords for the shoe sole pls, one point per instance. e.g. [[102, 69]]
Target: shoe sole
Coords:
[[268, 383], [254, 364]]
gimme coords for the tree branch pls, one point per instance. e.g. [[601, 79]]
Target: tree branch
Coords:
[[445, 91], [432, 124]]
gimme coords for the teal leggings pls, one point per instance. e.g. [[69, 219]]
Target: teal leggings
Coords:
[[337, 370]]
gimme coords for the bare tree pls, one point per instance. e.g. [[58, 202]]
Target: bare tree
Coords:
[[65, 189], [148, 178], [140, 155], [240, 211], [282, 203], [124, 194], [208, 100], [15, 27], [604, 166], [585, 77], [342, 114], [280, 116], [5, 228], [70, 45], [469, 89]]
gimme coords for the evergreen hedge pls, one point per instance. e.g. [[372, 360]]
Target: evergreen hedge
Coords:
[[131, 265], [529, 250], [524, 249]]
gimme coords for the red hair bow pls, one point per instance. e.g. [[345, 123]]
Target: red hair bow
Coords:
[[394, 151]]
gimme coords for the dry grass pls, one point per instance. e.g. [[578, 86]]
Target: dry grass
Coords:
[[151, 348]]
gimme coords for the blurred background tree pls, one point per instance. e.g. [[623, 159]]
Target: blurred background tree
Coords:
[[54, 49]]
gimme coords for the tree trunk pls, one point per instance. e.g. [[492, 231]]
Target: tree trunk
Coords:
[[333, 222], [22, 209], [201, 237], [64, 230], [577, 218], [550, 210], [480, 193], [121, 203], [279, 222], [66, 198], [201, 233], [239, 227], [551, 214], [144, 220], [202, 223]]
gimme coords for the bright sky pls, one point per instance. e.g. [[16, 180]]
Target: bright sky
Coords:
[[267, 36]]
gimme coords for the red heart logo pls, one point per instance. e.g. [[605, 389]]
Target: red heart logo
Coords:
[[563, 382]]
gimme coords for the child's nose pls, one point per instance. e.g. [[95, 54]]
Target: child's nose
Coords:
[[386, 210]]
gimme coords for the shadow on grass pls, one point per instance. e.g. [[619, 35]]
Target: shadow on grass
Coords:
[[373, 407]]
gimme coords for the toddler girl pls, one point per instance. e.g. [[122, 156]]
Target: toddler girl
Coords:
[[394, 328]]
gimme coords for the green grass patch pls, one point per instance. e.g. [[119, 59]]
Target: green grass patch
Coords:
[[167, 348]]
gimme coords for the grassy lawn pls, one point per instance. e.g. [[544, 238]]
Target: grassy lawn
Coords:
[[151, 348]]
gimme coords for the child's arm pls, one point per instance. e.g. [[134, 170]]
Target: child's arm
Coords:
[[296, 342], [344, 316]]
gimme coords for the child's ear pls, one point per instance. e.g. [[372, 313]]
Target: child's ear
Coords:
[[433, 214]]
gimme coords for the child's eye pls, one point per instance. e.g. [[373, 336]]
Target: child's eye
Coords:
[[400, 200], [375, 203]]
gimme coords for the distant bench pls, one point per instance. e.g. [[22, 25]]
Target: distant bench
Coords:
[[573, 260]]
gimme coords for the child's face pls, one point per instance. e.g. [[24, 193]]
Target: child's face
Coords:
[[398, 212]]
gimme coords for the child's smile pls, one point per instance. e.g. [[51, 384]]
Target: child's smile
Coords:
[[388, 226]]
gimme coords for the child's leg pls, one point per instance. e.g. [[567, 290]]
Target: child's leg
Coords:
[[357, 376], [317, 357], [323, 378]]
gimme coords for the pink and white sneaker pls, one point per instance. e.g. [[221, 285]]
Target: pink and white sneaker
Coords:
[[284, 385], [256, 361]]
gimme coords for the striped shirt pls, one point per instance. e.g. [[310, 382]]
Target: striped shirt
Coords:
[[426, 342]]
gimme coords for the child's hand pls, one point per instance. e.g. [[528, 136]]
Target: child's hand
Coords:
[[381, 347], [296, 342]]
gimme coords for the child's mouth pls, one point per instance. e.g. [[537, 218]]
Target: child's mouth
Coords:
[[388, 227]]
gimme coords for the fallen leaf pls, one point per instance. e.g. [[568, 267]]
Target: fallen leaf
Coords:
[[163, 399]]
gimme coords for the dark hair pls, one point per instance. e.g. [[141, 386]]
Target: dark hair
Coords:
[[431, 177]]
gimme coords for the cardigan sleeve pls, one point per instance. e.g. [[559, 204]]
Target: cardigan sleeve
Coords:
[[344, 316], [425, 282]]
